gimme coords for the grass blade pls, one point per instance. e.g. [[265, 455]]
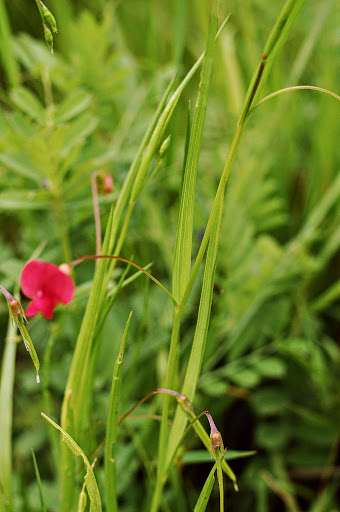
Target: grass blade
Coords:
[[37, 475], [183, 247], [198, 346], [181, 269], [203, 499], [90, 480], [112, 426], [6, 412], [9, 63]]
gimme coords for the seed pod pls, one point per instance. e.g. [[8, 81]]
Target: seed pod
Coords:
[[164, 147], [48, 37], [48, 18]]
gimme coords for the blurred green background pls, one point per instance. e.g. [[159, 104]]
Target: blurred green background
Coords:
[[271, 372]]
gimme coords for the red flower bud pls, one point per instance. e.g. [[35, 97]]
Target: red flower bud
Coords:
[[108, 184], [105, 182]]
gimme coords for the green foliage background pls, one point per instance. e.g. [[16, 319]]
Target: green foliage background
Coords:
[[271, 370]]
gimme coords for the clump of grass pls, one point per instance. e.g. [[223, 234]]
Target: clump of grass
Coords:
[[266, 325]]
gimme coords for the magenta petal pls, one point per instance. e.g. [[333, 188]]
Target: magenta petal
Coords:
[[47, 285], [31, 277], [41, 305], [58, 285]]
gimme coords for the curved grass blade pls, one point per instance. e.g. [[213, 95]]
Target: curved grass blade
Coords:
[[90, 480], [273, 46]]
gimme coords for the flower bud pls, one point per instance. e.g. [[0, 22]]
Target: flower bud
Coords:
[[105, 183], [66, 268], [14, 305], [216, 440], [108, 183]]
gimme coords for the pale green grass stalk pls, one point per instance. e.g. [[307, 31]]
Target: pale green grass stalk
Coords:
[[9, 62], [6, 413], [180, 8], [112, 427], [220, 478]]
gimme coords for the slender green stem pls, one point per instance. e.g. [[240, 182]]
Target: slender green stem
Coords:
[[6, 409], [96, 211], [294, 88], [170, 377], [219, 458], [220, 193], [118, 258], [9, 62]]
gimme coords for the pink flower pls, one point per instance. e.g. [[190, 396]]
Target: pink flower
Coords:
[[47, 285]]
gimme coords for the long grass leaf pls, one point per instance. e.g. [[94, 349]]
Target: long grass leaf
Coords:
[[201, 331], [203, 499], [112, 426], [6, 412], [183, 246]]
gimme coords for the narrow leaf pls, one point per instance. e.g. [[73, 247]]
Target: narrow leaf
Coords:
[[112, 426], [182, 258], [198, 346], [203, 499], [6, 412], [37, 476], [90, 480]]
